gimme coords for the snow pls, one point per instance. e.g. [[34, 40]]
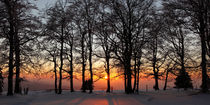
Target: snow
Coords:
[[169, 97]]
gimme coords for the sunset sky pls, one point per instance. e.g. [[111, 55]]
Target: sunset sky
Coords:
[[117, 82], [147, 62]]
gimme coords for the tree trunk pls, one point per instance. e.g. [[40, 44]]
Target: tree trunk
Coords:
[[128, 54], [71, 71], [10, 76], [166, 80], [11, 45], [83, 63], [55, 71], [203, 54], [108, 74], [156, 87], [182, 53], [203, 65], [125, 81], [135, 71], [138, 71], [90, 61], [1, 81], [129, 86], [17, 64], [61, 60], [207, 20]]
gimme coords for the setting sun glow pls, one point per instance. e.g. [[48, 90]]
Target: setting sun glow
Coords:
[[106, 77]]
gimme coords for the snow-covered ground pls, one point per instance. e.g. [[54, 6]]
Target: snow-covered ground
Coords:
[[170, 97]]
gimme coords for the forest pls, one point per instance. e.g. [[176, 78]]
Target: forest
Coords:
[[87, 39]]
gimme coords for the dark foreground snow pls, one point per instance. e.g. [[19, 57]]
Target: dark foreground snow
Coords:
[[102, 98]]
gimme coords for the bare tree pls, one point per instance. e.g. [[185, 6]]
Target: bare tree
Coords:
[[51, 55], [23, 35], [70, 42], [81, 39], [88, 10], [105, 36], [169, 67], [10, 9], [196, 12], [125, 19], [177, 36], [137, 54], [20, 14], [156, 55], [57, 27], [71, 45], [90, 5]]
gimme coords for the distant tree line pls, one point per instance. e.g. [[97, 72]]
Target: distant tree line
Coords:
[[127, 34]]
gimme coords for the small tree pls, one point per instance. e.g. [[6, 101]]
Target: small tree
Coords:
[[183, 81], [88, 85]]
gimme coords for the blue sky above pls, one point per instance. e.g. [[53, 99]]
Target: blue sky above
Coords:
[[41, 4]]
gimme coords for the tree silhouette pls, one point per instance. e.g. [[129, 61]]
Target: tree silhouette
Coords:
[[196, 12], [56, 27]]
